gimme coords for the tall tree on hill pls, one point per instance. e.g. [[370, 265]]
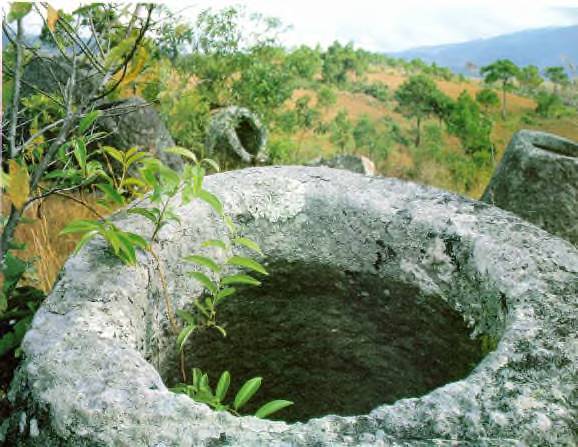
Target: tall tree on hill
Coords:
[[557, 75], [503, 71], [418, 98]]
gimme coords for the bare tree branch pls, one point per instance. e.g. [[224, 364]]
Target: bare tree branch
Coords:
[[16, 92]]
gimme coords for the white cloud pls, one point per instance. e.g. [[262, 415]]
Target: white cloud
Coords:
[[391, 25]]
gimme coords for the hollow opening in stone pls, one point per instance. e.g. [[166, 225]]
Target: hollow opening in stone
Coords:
[[248, 134], [557, 145], [334, 342]]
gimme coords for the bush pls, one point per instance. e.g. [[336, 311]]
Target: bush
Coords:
[[550, 105]]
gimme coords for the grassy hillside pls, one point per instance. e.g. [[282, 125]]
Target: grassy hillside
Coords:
[[419, 164]]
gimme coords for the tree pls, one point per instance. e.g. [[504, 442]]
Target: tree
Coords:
[[339, 60], [418, 98], [304, 62], [50, 123], [341, 130], [488, 99], [558, 76], [364, 133], [470, 125], [503, 71], [529, 77]]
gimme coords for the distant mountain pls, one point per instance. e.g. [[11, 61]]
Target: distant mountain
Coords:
[[543, 47]]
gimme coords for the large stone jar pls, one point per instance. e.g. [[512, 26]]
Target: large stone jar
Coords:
[[537, 179], [394, 315]]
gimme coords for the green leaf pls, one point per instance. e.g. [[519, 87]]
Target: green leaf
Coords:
[[230, 225], [80, 153], [18, 10], [246, 392], [182, 151], [114, 153], [127, 247], [223, 386], [240, 279], [186, 316], [110, 193], [212, 200], [184, 335], [228, 291], [212, 163], [214, 243], [248, 263], [272, 407], [204, 280], [81, 226], [251, 245], [86, 237], [88, 120], [204, 261], [145, 212], [137, 240], [135, 158]]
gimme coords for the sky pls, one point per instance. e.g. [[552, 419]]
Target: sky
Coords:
[[394, 25]]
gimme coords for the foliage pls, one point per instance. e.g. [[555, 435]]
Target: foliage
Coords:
[[488, 99], [200, 390], [304, 62], [341, 129], [550, 105], [557, 75], [377, 90], [418, 98], [326, 97], [367, 137], [468, 123], [503, 71], [529, 78], [340, 60]]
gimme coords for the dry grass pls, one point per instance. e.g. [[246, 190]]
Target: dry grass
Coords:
[[44, 245]]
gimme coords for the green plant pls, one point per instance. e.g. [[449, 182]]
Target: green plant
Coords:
[[503, 71], [200, 390], [418, 98]]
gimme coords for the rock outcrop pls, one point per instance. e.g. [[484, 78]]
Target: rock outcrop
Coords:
[[137, 124], [236, 132], [394, 314], [354, 163], [537, 179]]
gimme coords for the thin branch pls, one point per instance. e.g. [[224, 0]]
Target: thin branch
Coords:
[[93, 30], [10, 72], [129, 57], [16, 93], [42, 131]]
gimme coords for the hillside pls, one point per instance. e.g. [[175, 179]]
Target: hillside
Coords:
[[541, 47], [421, 164]]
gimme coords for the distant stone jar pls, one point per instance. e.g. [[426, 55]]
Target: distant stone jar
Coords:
[[537, 179], [236, 133], [349, 162], [394, 315]]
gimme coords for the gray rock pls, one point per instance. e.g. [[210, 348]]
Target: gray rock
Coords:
[[138, 124], [353, 163], [538, 180], [473, 309], [236, 131]]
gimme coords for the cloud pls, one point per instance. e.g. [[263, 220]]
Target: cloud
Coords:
[[381, 25]]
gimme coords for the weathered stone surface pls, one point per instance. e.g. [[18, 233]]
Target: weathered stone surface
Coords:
[[538, 180], [391, 259], [236, 131], [353, 163], [138, 124]]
